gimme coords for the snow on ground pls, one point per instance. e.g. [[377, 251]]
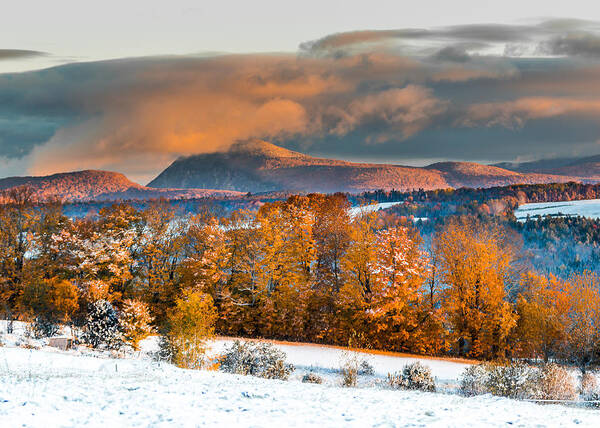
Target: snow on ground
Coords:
[[46, 387], [327, 360], [586, 208], [354, 211], [42, 388]]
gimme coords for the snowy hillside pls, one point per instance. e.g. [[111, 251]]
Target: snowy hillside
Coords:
[[587, 208], [46, 387]]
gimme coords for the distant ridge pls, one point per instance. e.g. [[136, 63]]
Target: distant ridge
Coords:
[[585, 168], [98, 185], [259, 166]]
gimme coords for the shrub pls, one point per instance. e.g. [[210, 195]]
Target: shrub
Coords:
[[349, 375], [135, 322], [553, 382], [589, 384], [165, 350], [190, 324], [589, 390], [415, 376], [102, 326], [515, 380], [49, 302], [349, 368], [473, 380], [255, 359], [312, 378], [395, 380], [365, 368], [43, 327]]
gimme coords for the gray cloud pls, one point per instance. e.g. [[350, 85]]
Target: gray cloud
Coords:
[[554, 37], [573, 44], [452, 54], [18, 54]]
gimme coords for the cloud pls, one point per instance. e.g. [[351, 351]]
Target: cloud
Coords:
[[452, 54], [113, 114], [579, 44], [399, 112], [6, 54], [515, 114], [548, 37], [336, 43]]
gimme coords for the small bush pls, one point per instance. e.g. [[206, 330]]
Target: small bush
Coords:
[[312, 378], [553, 382], [365, 368], [256, 359], [589, 389], [473, 380], [592, 399], [414, 376], [589, 383], [349, 376], [349, 368], [43, 327], [395, 380], [102, 326], [515, 380]]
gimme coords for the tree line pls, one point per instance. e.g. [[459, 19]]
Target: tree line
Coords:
[[301, 269]]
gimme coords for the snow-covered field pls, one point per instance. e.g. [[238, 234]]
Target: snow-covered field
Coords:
[[50, 388], [587, 208], [354, 211], [326, 361]]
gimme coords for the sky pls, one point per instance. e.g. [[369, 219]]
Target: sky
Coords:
[[131, 86]]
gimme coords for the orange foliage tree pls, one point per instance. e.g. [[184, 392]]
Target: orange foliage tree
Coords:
[[476, 263]]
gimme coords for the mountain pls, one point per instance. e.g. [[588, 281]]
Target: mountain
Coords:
[[259, 166], [585, 168], [471, 174], [98, 185]]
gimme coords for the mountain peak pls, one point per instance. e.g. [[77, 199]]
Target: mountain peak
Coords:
[[262, 148]]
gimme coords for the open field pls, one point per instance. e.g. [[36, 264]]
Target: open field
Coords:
[[46, 387], [587, 208]]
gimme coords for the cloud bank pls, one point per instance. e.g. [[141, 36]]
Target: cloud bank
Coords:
[[488, 91]]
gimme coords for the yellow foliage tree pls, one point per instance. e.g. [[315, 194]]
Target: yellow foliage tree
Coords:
[[476, 264], [135, 321], [191, 322], [543, 309]]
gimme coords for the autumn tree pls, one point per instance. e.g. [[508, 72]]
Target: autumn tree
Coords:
[[331, 233], [53, 242], [543, 310], [358, 264], [17, 221], [205, 259], [583, 327], [136, 322], [398, 309], [159, 257], [285, 277], [49, 302], [190, 324], [476, 264]]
